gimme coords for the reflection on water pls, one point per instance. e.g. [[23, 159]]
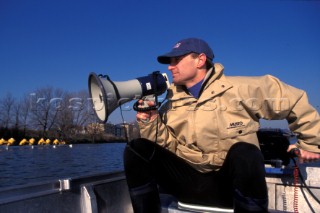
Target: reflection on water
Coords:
[[24, 164]]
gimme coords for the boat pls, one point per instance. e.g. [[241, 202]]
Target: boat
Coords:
[[108, 192]]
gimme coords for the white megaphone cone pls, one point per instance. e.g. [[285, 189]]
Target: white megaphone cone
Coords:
[[107, 95]]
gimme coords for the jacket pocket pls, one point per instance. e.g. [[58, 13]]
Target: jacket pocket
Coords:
[[201, 162], [192, 156]]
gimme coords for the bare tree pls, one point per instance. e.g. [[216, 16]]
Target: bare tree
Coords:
[[74, 115], [16, 115], [64, 121], [81, 108], [46, 104], [6, 109], [24, 112], [49, 109]]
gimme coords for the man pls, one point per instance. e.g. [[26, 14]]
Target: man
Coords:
[[202, 147]]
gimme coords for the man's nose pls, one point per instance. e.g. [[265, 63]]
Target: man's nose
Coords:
[[170, 67]]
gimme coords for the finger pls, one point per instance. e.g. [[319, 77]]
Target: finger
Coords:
[[143, 117], [151, 103], [140, 103], [292, 146]]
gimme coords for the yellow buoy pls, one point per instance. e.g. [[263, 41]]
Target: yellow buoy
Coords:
[[31, 141], [41, 141], [3, 141], [56, 142], [23, 142], [11, 141], [48, 141]]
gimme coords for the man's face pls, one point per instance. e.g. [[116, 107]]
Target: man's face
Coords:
[[183, 69]]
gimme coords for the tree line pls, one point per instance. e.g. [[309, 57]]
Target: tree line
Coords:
[[49, 112]]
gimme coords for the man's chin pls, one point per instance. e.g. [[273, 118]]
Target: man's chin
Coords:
[[176, 82]]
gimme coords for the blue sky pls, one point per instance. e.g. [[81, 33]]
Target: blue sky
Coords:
[[59, 42]]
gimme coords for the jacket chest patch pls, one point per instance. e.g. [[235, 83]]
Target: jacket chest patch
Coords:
[[236, 124]]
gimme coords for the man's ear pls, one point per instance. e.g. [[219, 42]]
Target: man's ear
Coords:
[[202, 58]]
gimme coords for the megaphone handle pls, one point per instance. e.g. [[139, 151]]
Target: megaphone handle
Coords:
[[144, 109]]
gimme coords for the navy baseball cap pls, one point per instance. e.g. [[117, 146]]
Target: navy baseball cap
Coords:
[[186, 46]]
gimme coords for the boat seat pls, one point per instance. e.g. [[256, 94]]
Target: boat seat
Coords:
[[200, 208], [171, 205]]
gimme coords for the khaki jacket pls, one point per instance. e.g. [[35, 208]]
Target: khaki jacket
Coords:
[[201, 131]]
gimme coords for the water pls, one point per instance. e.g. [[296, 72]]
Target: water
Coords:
[[21, 165]]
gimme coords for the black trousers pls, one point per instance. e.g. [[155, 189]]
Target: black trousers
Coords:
[[240, 183]]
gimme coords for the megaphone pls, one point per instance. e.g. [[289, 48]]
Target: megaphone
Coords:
[[107, 95]]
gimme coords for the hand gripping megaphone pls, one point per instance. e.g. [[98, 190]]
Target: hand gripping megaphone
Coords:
[[107, 95]]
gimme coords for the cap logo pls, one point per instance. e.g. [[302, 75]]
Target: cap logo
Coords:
[[177, 45]]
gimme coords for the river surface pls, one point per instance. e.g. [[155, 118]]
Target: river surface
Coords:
[[21, 165]]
